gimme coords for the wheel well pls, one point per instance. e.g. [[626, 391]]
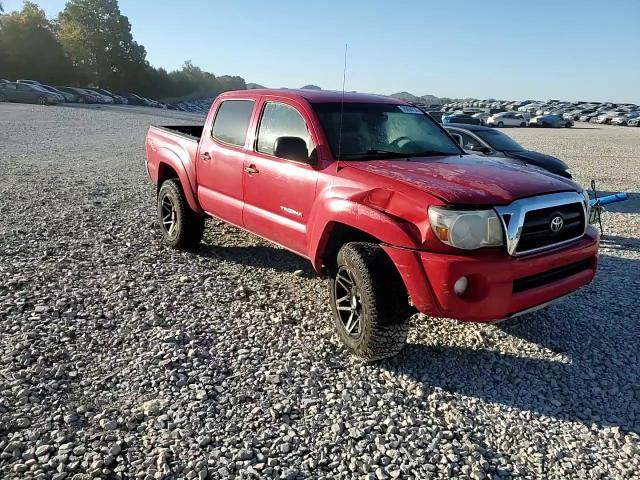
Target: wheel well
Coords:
[[341, 234], [338, 236], [165, 172]]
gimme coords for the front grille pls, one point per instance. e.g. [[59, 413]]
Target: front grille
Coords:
[[537, 232], [544, 278]]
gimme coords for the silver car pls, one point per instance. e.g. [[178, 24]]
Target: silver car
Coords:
[[101, 98], [507, 119], [554, 121], [27, 93]]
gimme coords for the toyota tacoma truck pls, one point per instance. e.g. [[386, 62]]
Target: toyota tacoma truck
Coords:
[[382, 201]]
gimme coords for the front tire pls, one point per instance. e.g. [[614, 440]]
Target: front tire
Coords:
[[42, 101], [369, 302], [181, 227], [500, 124]]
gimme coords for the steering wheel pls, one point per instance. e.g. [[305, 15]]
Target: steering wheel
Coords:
[[396, 142]]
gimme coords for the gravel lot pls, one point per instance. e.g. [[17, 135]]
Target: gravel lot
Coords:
[[120, 358]]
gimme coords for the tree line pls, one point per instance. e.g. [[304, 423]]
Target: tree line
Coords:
[[90, 44]]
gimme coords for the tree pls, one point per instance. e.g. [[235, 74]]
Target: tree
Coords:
[[97, 38], [29, 47], [91, 44]]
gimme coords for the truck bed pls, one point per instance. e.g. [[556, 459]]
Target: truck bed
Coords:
[[193, 131], [175, 146]]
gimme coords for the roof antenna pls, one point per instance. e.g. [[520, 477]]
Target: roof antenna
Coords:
[[344, 77]]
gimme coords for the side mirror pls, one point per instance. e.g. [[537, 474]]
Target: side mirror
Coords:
[[479, 148], [291, 148], [457, 138]]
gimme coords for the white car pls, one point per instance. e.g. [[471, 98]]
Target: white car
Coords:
[[483, 116], [608, 116], [624, 119], [507, 119]]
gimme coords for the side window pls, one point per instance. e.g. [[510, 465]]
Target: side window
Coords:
[[232, 121], [467, 140], [280, 120], [23, 87]]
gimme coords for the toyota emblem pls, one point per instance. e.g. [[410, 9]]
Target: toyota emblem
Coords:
[[556, 224]]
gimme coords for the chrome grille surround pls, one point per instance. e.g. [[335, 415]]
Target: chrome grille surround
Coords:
[[517, 210]]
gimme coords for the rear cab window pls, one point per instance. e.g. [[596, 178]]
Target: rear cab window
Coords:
[[231, 123]]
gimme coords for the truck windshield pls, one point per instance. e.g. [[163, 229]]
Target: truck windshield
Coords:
[[379, 130]]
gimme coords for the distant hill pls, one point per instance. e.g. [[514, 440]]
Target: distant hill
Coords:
[[311, 87], [410, 97], [253, 86]]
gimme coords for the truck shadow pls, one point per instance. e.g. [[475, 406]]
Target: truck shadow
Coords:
[[616, 242], [591, 374], [261, 256]]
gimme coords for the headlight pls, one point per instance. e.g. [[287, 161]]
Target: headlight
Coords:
[[466, 229]]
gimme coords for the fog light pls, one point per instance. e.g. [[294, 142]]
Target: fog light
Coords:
[[461, 285]]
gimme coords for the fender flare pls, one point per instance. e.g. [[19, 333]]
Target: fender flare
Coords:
[[396, 241], [361, 217], [170, 158]]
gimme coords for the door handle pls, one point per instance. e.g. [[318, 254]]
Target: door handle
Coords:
[[205, 156], [251, 169]]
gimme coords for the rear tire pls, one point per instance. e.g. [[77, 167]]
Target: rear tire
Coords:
[[181, 227], [369, 302], [2, 98]]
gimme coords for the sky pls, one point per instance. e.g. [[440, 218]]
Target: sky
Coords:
[[520, 49]]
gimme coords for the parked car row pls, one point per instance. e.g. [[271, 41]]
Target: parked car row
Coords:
[[32, 91], [552, 113], [200, 106], [505, 119]]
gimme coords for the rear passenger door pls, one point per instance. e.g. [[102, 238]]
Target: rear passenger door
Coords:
[[220, 160], [279, 193]]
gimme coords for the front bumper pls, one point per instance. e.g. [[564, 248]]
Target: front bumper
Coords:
[[500, 286]]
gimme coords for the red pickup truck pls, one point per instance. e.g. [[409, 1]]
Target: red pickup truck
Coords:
[[382, 201]]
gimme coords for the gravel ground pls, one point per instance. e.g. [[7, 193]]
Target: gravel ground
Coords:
[[120, 358]]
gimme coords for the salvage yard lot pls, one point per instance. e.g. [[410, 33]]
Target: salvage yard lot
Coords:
[[121, 358]]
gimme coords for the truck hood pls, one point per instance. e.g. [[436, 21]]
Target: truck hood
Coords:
[[468, 179]]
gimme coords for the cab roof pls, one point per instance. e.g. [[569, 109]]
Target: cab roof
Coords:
[[314, 96]]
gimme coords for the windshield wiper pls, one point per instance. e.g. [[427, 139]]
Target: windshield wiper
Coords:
[[377, 153], [431, 153]]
